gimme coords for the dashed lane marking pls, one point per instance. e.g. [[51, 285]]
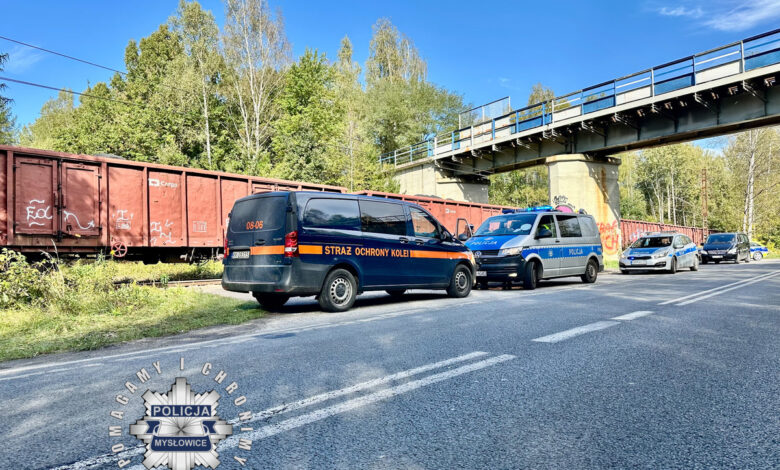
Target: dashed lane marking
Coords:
[[580, 330], [633, 315]]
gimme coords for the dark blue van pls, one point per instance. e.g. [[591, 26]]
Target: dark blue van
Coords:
[[336, 246]]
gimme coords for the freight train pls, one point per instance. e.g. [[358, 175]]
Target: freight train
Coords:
[[68, 204]]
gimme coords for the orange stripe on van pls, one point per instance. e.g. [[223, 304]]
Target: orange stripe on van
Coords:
[[267, 250], [310, 249], [438, 254]]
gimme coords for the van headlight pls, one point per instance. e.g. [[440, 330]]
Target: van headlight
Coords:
[[732, 251], [510, 251], [704, 252]]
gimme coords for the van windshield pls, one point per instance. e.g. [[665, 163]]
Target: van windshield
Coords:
[[509, 224], [652, 242], [721, 238], [263, 213]]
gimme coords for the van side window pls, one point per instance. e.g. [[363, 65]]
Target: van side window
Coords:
[[588, 226], [569, 225], [382, 217], [547, 222], [329, 213], [423, 225]]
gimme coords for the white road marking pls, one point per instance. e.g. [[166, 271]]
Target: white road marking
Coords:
[[349, 405], [633, 315], [580, 330], [313, 400], [679, 299], [323, 413], [696, 299]]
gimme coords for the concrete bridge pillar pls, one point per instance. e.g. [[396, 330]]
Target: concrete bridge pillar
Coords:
[[583, 182], [429, 180]]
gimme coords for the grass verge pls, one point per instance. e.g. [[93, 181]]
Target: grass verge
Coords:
[[145, 312], [49, 307]]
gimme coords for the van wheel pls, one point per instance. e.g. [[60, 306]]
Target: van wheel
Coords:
[[338, 292], [460, 284], [591, 273], [624, 271], [271, 301], [673, 269], [695, 266], [395, 292], [530, 276]]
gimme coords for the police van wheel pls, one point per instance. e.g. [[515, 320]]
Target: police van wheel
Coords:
[[271, 301], [591, 273], [673, 268], [460, 284], [695, 266], [530, 276], [396, 292], [338, 292]]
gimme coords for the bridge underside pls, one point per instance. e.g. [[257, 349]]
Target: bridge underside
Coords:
[[706, 110]]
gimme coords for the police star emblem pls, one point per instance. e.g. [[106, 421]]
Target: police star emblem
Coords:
[[181, 429]]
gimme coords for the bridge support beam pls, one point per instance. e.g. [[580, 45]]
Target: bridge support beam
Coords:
[[430, 180], [583, 182]]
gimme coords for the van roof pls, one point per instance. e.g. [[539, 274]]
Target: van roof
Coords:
[[326, 194]]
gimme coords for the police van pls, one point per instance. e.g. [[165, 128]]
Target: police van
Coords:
[[336, 246], [536, 243]]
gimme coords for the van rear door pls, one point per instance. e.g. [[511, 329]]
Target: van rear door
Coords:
[[256, 237]]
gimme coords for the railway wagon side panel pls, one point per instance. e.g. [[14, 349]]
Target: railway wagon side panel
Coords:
[[167, 220], [232, 190], [3, 199], [127, 218], [203, 211], [36, 196], [80, 202]]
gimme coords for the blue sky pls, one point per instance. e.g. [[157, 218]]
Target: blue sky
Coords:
[[482, 50]]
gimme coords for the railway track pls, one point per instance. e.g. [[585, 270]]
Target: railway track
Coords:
[[187, 283]]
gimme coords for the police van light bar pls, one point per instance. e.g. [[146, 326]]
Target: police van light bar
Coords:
[[539, 209]]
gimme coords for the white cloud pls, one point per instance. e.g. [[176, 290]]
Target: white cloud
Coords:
[[726, 15], [21, 59], [681, 11], [745, 16]]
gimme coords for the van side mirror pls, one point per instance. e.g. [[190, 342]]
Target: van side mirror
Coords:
[[445, 236], [463, 237], [543, 233]]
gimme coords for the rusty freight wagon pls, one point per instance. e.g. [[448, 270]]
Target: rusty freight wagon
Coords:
[[52, 201], [447, 211]]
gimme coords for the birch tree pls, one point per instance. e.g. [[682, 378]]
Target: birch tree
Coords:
[[257, 53]]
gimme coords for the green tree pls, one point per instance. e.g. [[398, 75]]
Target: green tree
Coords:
[[56, 116], [200, 36], [7, 119], [307, 134]]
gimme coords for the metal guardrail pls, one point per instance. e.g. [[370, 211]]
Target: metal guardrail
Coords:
[[738, 57]]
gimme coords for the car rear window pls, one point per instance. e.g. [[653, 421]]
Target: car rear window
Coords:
[[263, 213], [382, 217], [342, 214]]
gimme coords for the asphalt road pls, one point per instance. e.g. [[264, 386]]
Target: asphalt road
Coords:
[[636, 371]]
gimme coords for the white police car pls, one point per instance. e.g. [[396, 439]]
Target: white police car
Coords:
[[660, 251]]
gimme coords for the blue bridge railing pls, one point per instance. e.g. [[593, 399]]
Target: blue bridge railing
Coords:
[[748, 54]]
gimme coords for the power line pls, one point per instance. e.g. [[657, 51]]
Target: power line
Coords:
[[63, 55], [124, 73], [88, 95]]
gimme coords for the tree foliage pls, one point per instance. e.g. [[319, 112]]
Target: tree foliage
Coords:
[[7, 119]]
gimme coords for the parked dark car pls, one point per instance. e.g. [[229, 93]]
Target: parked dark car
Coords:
[[726, 247]]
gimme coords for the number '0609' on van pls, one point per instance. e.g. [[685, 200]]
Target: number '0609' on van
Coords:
[[335, 246]]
